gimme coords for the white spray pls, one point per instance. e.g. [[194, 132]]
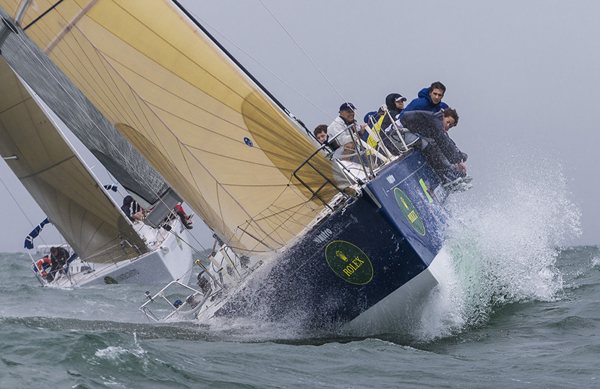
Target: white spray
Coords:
[[502, 244]]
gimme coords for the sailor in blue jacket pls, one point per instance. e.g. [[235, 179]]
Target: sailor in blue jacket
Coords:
[[430, 99]]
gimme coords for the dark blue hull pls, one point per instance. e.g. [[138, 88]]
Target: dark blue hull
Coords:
[[361, 254]]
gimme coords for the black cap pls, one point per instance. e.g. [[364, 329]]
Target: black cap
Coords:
[[347, 107]]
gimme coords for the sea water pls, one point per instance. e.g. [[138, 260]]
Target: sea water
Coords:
[[515, 308]]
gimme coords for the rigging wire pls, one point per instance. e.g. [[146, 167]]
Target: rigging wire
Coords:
[[263, 66], [303, 51], [18, 205], [22, 210]]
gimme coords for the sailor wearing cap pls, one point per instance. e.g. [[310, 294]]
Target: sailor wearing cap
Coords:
[[340, 129], [395, 105]]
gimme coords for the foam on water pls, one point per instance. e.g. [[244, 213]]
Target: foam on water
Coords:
[[115, 353], [502, 244]]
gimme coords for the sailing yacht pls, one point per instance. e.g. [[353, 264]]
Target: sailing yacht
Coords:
[[110, 248], [302, 233]]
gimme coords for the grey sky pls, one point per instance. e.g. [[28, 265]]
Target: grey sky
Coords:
[[522, 75]]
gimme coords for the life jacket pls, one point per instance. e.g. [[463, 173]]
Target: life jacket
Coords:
[[43, 264]]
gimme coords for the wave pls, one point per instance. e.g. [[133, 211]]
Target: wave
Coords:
[[502, 244]]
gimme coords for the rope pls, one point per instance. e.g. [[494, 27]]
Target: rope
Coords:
[[204, 22], [18, 205], [304, 52], [22, 210]]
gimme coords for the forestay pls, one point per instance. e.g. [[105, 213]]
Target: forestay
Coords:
[[58, 181], [215, 136]]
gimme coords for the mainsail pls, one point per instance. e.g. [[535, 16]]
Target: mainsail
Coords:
[[208, 129], [58, 181]]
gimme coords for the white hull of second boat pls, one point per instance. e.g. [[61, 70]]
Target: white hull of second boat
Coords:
[[170, 259]]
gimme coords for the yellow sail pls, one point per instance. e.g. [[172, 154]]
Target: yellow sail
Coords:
[[189, 110], [61, 185]]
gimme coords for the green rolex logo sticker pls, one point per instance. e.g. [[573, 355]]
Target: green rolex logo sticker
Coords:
[[408, 209], [349, 262], [110, 280]]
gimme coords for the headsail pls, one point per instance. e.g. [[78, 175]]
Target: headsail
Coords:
[[188, 109], [61, 185]]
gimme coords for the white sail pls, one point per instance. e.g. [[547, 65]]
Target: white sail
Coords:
[[58, 181]]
